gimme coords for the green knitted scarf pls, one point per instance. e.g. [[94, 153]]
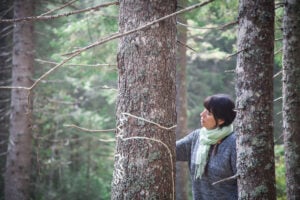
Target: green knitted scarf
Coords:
[[207, 138]]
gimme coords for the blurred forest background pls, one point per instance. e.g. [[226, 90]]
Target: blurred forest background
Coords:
[[72, 163]]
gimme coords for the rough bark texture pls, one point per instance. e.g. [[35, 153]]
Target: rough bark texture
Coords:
[[5, 79], [181, 108], [291, 96], [144, 167], [254, 88], [20, 138]]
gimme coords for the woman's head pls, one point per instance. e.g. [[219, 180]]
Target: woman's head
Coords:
[[221, 107]]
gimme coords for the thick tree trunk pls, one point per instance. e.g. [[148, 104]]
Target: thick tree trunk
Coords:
[[5, 79], [181, 108], [145, 152], [291, 96], [254, 88], [20, 138]]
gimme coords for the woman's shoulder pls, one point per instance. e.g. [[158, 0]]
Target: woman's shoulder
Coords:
[[230, 138]]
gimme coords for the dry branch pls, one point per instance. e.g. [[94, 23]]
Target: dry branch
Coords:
[[216, 27], [59, 8], [118, 35], [88, 130], [107, 39], [42, 17], [226, 179]]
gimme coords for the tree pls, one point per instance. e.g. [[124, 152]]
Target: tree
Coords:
[[291, 96], [254, 88], [181, 106], [17, 176], [144, 157], [5, 79]]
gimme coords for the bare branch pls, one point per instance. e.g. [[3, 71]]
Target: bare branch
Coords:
[[226, 179], [88, 130], [107, 39], [118, 35], [36, 18], [151, 122], [216, 27], [278, 51], [81, 65], [277, 99], [236, 53], [185, 45], [277, 74], [59, 8]]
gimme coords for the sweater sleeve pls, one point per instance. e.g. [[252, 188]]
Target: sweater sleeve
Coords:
[[183, 147], [233, 157]]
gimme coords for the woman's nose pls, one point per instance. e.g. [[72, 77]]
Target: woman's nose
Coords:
[[202, 113]]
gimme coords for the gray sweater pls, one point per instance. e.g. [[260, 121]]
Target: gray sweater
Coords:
[[221, 165]]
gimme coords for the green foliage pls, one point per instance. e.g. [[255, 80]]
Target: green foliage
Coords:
[[280, 172], [210, 68], [70, 163]]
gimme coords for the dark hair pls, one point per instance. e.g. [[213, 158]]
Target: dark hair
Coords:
[[222, 107]]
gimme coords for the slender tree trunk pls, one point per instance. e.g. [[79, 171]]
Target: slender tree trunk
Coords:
[[291, 96], [6, 12], [181, 108], [145, 152], [20, 138], [254, 88]]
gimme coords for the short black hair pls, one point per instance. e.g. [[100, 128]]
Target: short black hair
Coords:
[[222, 107]]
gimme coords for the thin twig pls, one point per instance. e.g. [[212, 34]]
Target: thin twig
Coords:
[[278, 51], [118, 34], [151, 122], [59, 8], [108, 140], [226, 179], [12, 87], [228, 25], [107, 39], [277, 74], [236, 53], [88, 130], [185, 45], [277, 99], [205, 28], [80, 65], [36, 18]]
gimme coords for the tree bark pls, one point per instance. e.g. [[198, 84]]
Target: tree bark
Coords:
[[145, 152], [5, 80], [291, 96], [17, 176], [254, 88], [181, 108]]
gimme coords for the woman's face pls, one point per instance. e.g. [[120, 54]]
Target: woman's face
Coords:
[[207, 120]]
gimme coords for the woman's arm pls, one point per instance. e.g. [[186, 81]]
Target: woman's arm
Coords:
[[183, 147], [233, 155]]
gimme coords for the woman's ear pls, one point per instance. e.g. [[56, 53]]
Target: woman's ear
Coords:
[[220, 122]]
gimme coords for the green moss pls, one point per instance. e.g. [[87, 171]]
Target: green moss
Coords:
[[259, 191], [154, 156]]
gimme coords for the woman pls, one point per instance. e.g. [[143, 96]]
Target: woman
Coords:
[[211, 151]]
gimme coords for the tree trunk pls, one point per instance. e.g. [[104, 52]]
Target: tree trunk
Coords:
[[291, 96], [5, 79], [254, 88], [20, 138], [145, 148], [181, 108]]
